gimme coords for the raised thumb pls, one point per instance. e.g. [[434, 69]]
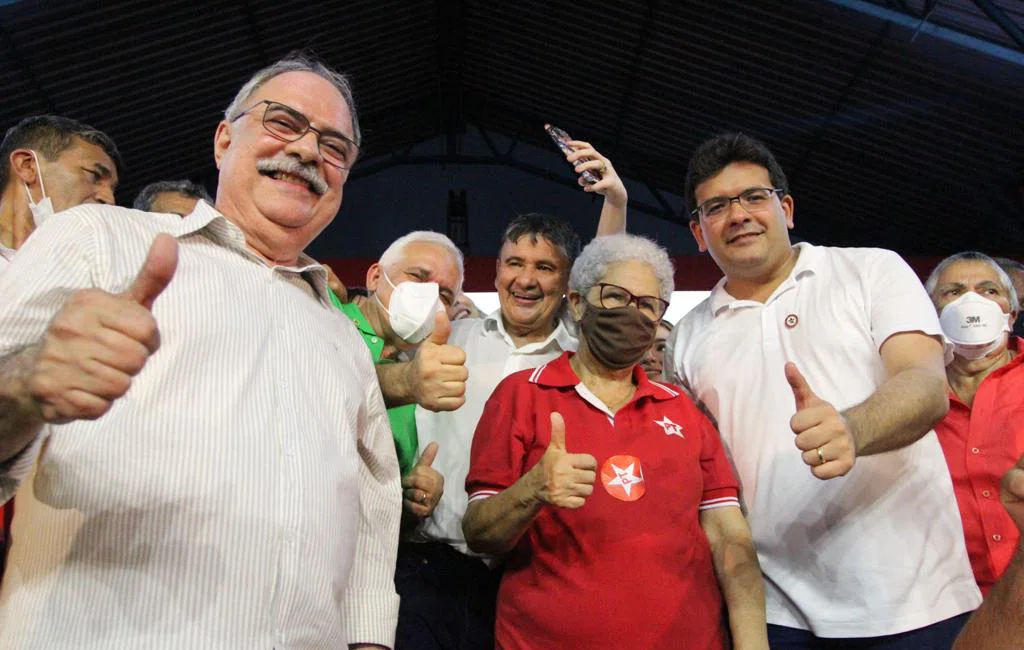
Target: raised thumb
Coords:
[[428, 455], [156, 272], [442, 328], [802, 392], [557, 431]]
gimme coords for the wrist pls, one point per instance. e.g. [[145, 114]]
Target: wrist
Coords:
[[851, 431], [616, 200], [532, 495], [17, 370]]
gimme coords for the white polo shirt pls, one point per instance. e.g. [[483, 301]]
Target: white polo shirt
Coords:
[[491, 355], [879, 551]]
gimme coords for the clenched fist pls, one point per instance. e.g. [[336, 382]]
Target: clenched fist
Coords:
[[423, 486], [822, 433], [567, 479], [99, 341], [437, 374]]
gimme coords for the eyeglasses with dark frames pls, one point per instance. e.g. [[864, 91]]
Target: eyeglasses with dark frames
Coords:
[[751, 200], [612, 296], [287, 124]]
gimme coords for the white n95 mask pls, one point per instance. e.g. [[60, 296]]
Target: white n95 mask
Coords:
[[44, 209], [412, 308], [975, 325]]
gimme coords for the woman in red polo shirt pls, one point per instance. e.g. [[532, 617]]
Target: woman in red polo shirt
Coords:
[[608, 494]]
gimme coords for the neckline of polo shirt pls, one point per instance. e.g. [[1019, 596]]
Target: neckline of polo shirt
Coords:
[[559, 373], [807, 255], [561, 334]]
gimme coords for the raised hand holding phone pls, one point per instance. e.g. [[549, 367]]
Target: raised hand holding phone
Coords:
[[596, 173], [563, 140]]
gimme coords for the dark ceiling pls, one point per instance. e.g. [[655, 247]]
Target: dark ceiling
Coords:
[[899, 122]]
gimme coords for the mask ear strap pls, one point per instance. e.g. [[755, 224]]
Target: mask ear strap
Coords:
[[39, 176]]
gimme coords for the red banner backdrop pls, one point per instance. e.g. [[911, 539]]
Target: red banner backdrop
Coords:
[[693, 272]]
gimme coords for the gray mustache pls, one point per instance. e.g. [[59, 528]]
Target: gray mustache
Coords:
[[306, 172]]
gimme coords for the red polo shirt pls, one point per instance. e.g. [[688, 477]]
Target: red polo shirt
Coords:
[[981, 443], [632, 567]]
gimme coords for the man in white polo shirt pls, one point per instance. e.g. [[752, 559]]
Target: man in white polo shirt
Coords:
[[448, 593], [824, 369]]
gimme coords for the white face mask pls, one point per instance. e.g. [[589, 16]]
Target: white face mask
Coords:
[[975, 325], [44, 209], [412, 308]]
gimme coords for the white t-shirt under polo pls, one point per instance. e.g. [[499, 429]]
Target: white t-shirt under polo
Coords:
[[879, 551], [491, 355], [5, 256]]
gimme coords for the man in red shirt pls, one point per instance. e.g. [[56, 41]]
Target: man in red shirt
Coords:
[[982, 436]]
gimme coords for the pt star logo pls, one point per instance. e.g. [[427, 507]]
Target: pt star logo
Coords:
[[670, 427], [623, 478]]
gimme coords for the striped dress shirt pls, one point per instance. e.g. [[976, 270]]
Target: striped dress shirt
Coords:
[[243, 494]]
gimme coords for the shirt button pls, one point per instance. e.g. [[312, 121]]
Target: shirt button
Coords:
[[997, 537], [975, 450], [986, 493], [373, 339]]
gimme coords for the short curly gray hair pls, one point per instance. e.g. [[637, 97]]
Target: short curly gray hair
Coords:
[[296, 61], [599, 254]]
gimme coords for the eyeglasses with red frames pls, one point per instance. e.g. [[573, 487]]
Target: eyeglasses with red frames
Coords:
[[612, 296]]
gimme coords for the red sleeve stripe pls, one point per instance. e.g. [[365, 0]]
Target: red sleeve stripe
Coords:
[[483, 494], [726, 502]]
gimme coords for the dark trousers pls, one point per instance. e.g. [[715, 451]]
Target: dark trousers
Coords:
[[937, 636], [448, 599]]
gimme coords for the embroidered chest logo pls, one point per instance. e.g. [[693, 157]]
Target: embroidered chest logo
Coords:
[[623, 478], [670, 427]]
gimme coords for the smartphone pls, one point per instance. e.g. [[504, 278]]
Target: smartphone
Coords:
[[561, 139]]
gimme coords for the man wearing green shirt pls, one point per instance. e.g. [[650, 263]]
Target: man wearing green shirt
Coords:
[[396, 318]]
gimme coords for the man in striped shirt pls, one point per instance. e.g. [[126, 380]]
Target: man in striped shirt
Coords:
[[202, 449]]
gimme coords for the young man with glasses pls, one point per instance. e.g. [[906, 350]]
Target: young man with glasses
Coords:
[[821, 366]]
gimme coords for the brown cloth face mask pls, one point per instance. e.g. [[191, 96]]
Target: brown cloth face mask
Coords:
[[618, 338]]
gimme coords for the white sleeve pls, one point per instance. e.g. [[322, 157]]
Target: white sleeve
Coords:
[[897, 301], [61, 257], [371, 603]]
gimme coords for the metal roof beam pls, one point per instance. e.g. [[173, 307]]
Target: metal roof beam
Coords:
[[534, 170], [634, 70], [26, 72], [451, 51], [999, 17], [938, 31], [863, 66]]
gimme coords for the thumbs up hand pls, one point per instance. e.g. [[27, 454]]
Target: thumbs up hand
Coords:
[[99, 341], [1012, 493], [822, 433], [423, 485], [437, 374], [566, 480]]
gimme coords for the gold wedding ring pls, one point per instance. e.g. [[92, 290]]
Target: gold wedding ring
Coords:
[[821, 457]]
